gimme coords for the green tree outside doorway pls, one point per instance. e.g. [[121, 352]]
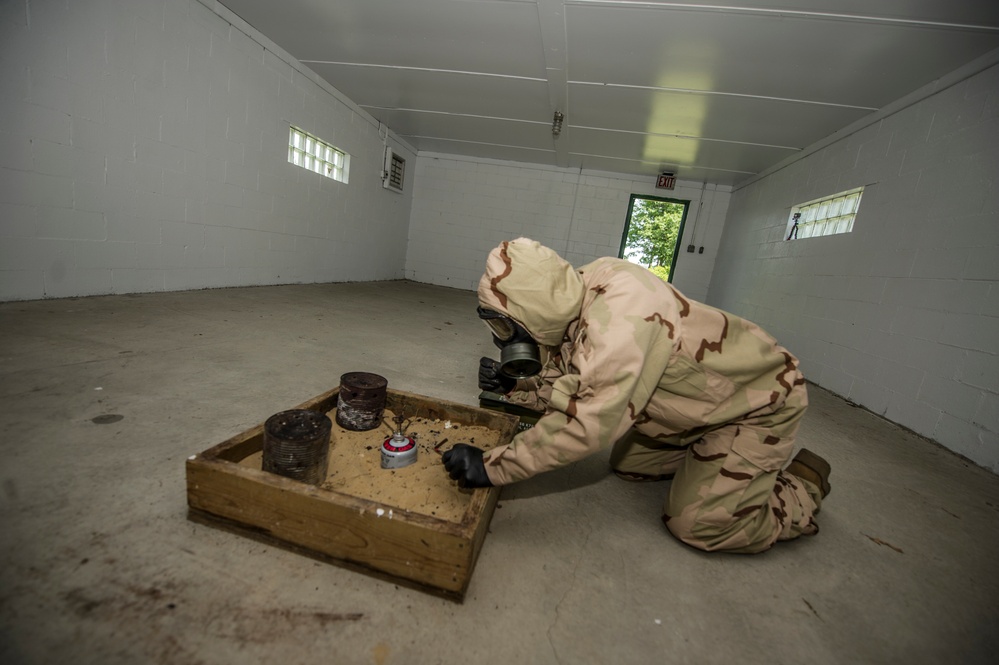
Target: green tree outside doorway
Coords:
[[652, 233]]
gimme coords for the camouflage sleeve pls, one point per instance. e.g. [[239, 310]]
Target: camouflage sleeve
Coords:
[[623, 344]]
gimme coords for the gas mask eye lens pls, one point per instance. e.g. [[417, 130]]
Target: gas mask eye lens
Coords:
[[500, 326]]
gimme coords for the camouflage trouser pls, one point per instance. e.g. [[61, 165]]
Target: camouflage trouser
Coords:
[[728, 490]]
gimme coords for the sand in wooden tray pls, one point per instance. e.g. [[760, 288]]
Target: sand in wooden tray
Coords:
[[422, 487]]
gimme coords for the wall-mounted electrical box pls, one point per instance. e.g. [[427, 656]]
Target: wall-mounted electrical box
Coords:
[[394, 172]]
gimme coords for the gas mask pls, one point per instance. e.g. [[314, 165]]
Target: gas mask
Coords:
[[520, 356]]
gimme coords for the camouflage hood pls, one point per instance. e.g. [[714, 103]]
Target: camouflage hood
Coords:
[[534, 286]]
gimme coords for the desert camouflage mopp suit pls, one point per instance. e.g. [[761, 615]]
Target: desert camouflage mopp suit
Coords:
[[678, 387]]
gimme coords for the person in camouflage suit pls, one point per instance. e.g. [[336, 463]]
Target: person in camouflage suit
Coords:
[[683, 391]]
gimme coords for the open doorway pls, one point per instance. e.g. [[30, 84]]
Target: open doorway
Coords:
[[652, 233]]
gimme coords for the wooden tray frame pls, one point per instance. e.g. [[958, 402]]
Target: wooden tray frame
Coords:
[[417, 550]]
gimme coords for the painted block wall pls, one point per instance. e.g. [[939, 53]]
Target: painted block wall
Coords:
[[900, 316], [463, 207], [143, 147]]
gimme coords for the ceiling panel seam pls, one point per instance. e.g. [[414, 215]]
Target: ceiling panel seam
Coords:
[[716, 93], [648, 161], [497, 145], [424, 69], [455, 114], [686, 136], [791, 13], [683, 91], [554, 42]]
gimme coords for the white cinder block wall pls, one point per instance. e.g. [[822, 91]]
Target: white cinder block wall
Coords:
[[464, 207], [902, 315], [144, 148]]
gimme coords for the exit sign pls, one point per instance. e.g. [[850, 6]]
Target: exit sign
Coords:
[[666, 181]]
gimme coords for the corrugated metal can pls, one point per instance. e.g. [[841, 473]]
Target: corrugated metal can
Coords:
[[361, 401], [297, 445]]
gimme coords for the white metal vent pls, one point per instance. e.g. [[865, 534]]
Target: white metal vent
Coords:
[[394, 174]]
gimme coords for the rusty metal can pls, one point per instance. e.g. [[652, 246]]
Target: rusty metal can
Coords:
[[297, 445], [361, 402]]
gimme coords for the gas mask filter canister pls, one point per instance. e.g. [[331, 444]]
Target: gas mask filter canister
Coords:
[[520, 360]]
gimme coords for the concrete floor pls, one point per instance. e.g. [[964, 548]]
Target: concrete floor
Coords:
[[101, 565]]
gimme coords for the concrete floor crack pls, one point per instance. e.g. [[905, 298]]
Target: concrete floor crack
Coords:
[[571, 585]]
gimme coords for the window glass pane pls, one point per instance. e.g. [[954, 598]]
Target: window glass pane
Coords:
[[850, 204], [834, 207]]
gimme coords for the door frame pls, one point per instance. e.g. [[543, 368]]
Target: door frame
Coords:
[[679, 234]]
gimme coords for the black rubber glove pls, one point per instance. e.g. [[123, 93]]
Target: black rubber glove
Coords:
[[491, 379], [464, 464]]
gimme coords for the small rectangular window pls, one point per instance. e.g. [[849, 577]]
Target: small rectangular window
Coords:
[[309, 152], [824, 217]]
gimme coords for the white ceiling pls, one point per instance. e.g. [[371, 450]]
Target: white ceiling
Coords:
[[715, 91]]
